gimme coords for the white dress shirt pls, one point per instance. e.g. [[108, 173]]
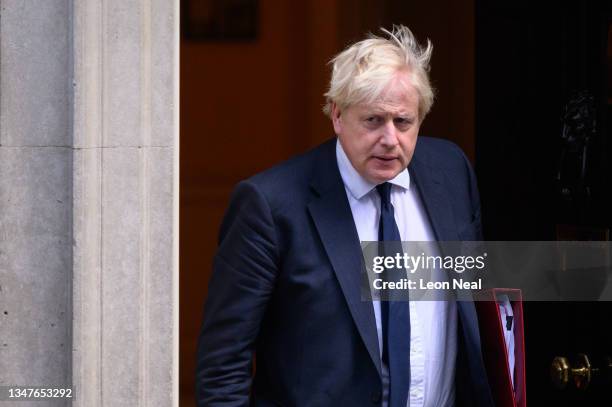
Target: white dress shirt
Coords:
[[505, 311], [433, 324]]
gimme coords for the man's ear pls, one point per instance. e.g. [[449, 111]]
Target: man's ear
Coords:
[[336, 118]]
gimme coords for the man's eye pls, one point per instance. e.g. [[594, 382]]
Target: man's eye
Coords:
[[402, 122], [373, 119]]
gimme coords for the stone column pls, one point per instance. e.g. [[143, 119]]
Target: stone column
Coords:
[[35, 195], [89, 198]]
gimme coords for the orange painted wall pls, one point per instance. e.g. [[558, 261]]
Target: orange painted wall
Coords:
[[244, 107]]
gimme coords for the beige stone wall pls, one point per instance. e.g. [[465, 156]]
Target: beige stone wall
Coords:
[[88, 198], [35, 194]]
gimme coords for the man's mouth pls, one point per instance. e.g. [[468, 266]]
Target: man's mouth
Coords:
[[385, 157]]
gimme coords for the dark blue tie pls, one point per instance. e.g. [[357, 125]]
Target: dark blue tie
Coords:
[[395, 315]]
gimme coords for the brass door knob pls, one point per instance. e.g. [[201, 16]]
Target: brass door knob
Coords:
[[580, 372], [559, 372]]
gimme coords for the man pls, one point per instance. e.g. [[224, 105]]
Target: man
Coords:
[[286, 279]]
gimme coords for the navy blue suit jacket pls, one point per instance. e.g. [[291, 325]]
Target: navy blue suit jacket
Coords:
[[286, 287]]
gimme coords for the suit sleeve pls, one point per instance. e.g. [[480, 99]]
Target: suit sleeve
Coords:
[[244, 272]]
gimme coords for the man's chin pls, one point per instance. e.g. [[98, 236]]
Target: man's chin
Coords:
[[378, 177]]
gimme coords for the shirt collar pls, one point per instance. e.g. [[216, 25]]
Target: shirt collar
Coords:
[[355, 183]]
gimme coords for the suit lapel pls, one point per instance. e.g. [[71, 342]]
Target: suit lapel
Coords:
[[435, 197], [333, 218], [430, 184]]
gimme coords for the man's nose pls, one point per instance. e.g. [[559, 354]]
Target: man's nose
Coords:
[[389, 135]]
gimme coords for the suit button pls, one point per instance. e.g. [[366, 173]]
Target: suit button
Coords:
[[376, 396]]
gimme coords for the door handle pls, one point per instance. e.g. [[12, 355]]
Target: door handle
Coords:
[[580, 372]]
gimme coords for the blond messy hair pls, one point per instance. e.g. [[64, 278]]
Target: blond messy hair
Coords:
[[361, 72]]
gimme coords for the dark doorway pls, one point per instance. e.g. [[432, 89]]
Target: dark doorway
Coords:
[[535, 61]]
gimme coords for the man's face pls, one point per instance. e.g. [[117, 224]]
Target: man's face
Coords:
[[379, 138]]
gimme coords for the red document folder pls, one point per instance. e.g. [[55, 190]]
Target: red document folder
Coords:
[[494, 347]]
